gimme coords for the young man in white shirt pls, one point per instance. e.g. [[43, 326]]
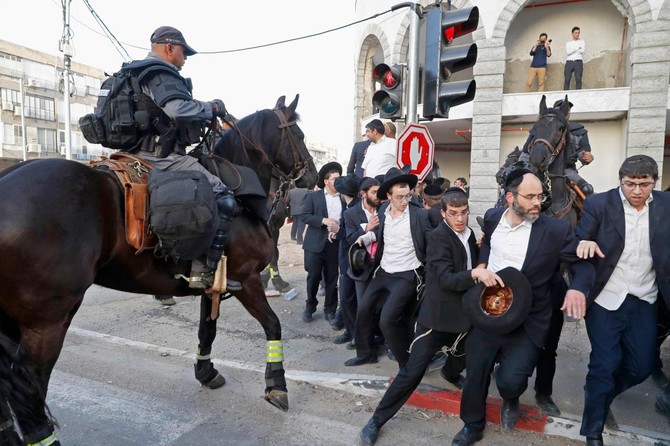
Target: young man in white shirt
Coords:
[[574, 63], [380, 156]]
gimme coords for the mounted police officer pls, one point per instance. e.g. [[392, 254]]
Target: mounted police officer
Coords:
[[580, 150], [179, 123]]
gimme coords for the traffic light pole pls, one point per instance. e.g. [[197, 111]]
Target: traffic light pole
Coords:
[[411, 116]]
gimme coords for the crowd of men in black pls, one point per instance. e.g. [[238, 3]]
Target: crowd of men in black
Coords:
[[404, 259]]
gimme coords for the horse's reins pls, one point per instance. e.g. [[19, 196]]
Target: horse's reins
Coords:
[[299, 166], [554, 151]]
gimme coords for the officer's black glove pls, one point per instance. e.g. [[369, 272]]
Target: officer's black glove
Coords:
[[585, 187], [218, 108]]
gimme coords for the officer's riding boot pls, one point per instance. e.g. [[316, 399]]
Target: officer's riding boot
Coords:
[[226, 206]]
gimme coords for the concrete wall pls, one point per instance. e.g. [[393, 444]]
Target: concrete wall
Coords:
[[603, 44], [454, 165]]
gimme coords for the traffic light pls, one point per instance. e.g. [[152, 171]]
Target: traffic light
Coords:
[[389, 99], [442, 60]]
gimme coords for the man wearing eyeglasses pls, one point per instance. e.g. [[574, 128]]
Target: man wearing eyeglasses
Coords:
[[625, 231], [398, 270], [519, 236], [451, 254]]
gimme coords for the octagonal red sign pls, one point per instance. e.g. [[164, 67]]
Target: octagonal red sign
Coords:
[[416, 147]]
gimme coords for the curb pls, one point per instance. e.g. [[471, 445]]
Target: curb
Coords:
[[531, 419]]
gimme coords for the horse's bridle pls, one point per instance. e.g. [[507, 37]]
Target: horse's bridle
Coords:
[[299, 166], [554, 151]]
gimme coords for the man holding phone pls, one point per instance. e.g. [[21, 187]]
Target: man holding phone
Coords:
[[538, 66]]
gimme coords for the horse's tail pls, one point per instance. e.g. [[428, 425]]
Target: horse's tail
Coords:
[[20, 389]]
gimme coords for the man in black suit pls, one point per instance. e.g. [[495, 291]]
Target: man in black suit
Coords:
[[451, 253], [322, 215], [356, 159], [347, 187], [519, 236], [626, 230], [398, 270], [431, 200]]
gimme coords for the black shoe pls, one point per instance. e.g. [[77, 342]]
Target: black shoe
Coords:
[[438, 361], [547, 405], [372, 359], [389, 354], [233, 285], [467, 437], [330, 317], [378, 340], [351, 346], [509, 414], [660, 379], [458, 382], [337, 323], [370, 432], [594, 441], [342, 338], [307, 315]]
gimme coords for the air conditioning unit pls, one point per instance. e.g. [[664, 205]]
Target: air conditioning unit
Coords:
[[34, 82], [61, 149], [17, 111], [8, 106], [34, 147]]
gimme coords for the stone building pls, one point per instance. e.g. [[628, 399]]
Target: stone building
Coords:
[[623, 103]]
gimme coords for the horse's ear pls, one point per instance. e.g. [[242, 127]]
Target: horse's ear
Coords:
[[565, 106], [280, 102], [543, 104], [294, 104]]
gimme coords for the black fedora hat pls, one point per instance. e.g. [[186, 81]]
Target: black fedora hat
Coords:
[[499, 310], [432, 190], [395, 176], [328, 167], [359, 260], [347, 185]]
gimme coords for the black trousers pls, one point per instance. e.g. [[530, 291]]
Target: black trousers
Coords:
[[426, 343], [348, 302], [393, 297], [517, 356], [623, 346], [573, 66], [318, 265], [546, 363], [297, 228]]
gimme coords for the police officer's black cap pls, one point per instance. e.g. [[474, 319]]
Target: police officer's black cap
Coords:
[[168, 34], [560, 102]]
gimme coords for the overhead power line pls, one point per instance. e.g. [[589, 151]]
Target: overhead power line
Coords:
[[115, 42]]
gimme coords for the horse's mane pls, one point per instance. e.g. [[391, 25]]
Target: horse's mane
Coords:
[[231, 146]]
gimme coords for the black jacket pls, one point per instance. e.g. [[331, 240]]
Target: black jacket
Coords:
[[314, 211], [419, 227], [448, 277]]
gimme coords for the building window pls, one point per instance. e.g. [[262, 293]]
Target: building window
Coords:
[[13, 134], [39, 107], [10, 57], [13, 96], [47, 139]]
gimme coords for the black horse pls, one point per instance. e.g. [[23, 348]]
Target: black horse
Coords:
[[62, 230], [546, 155]]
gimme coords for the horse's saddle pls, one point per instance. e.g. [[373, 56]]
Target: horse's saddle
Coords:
[[133, 174]]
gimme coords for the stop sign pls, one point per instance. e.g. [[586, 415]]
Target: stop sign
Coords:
[[416, 147]]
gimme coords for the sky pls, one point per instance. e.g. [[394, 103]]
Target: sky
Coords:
[[320, 69]]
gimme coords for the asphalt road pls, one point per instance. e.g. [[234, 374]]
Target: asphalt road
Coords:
[[125, 377]]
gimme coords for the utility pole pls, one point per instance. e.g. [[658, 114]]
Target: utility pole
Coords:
[[415, 14], [66, 49]]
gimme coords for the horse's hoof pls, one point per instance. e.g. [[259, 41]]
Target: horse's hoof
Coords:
[[277, 398], [216, 382]]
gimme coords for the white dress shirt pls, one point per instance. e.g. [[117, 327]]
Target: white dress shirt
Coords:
[[399, 253], [509, 244], [575, 49], [463, 237], [634, 273], [334, 205], [380, 157]]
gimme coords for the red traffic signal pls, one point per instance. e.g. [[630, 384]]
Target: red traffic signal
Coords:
[[389, 99], [441, 59]]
